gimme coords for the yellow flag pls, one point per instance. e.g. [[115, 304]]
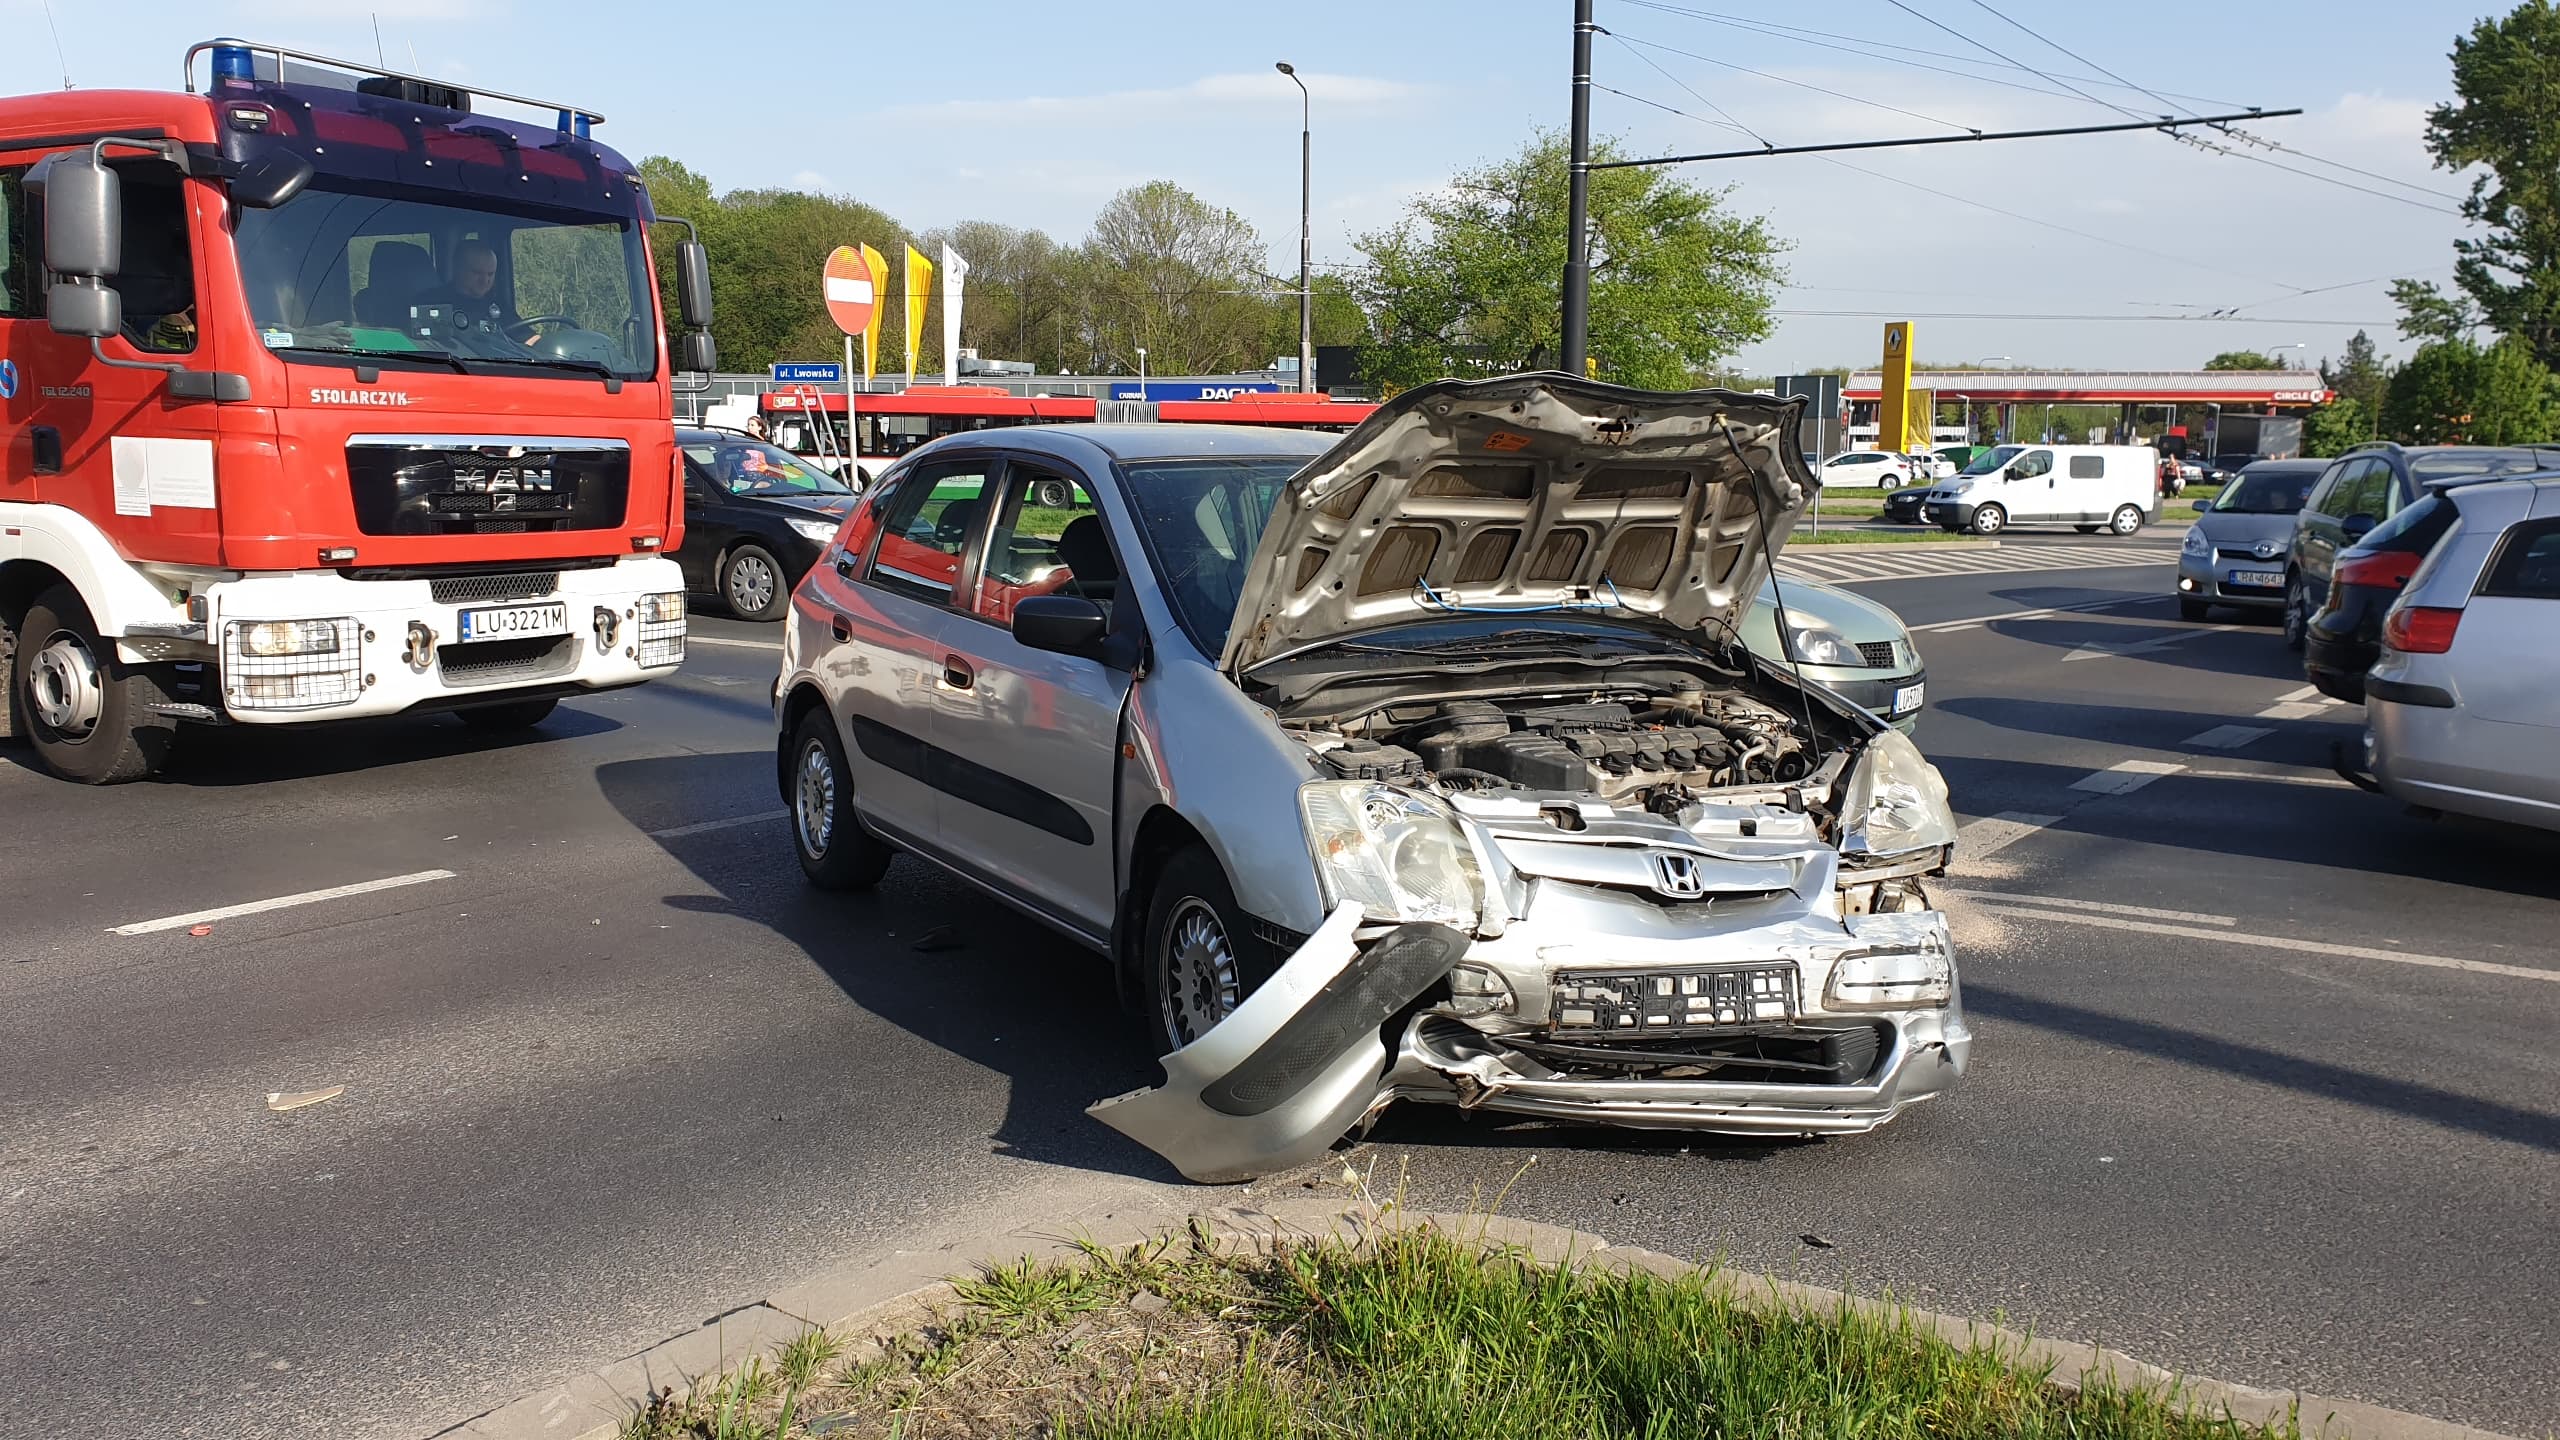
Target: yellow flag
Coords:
[[919, 291], [878, 265]]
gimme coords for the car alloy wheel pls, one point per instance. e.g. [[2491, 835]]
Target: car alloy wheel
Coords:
[[813, 804], [2297, 617], [751, 583], [1201, 984]]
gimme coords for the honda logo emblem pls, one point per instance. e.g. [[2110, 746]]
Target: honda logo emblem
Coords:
[[1676, 874]]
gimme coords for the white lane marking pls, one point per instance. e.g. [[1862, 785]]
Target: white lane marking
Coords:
[[2291, 710], [2038, 614], [2307, 692], [2285, 942], [731, 822], [733, 644], [2325, 782], [2125, 776], [281, 902], [2103, 907], [1990, 836], [2111, 649], [2228, 737]]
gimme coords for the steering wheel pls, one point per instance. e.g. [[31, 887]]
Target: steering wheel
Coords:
[[523, 329]]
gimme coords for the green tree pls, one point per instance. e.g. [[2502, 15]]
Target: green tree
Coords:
[[1469, 282], [2243, 360], [2505, 117], [2427, 313], [2359, 375], [2336, 426], [2459, 393], [767, 247], [1020, 301], [1168, 271]]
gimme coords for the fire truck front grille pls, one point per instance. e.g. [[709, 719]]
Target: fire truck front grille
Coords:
[[494, 589], [493, 662], [486, 485]]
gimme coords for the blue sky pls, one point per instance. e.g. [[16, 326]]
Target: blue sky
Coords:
[[1035, 113]]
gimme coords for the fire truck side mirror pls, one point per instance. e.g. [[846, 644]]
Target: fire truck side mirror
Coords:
[[91, 309], [693, 285], [83, 220], [695, 352]]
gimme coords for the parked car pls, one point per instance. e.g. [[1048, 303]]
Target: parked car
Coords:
[[755, 519], [1843, 641], [1866, 469], [1439, 721], [2367, 486], [1926, 466], [2091, 487], [1903, 506], [2234, 553], [2460, 710]]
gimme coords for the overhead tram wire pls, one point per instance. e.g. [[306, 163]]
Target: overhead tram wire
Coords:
[[2197, 141], [1799, 84], [2076, 319], [1895, 59], [1629, 46], [1890, 51]]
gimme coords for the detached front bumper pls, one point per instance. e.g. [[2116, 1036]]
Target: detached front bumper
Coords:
[[385, 647], [1724, 1027]]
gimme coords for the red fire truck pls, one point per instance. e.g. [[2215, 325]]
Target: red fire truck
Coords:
[[325, 395]]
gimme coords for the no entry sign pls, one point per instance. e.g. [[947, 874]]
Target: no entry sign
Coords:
[[850, 298]]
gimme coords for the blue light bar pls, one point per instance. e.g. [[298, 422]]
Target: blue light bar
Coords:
[[572, 122], [233, 64]]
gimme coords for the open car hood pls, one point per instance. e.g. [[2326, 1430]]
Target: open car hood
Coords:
[[1528, 492]]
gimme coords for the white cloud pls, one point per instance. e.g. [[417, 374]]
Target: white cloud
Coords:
[[1237, 91], [811, 180]]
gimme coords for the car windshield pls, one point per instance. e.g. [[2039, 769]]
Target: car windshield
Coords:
[[1202, 519], [1994, 458], [2461, 464], [2267, 492], [751, 467], [351, 268]]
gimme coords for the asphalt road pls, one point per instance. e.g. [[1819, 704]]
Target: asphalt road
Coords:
[[610, 1068]]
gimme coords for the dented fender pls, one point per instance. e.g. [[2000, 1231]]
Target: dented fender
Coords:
[[1297, 1064]]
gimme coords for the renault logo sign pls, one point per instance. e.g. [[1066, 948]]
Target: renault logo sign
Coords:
[[1676, 874]]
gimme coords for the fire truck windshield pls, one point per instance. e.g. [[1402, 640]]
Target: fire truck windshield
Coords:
[[348, 270]]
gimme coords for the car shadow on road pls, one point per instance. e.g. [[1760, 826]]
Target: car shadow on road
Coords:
[[927, 954], [2305, 742], [2435, 1106], [223, 757], [2255, 651]]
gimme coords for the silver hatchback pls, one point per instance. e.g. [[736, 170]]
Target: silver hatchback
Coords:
[[1424, 763], [2462, 710]]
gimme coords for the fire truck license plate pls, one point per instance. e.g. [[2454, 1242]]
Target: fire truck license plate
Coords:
[[516, 622]]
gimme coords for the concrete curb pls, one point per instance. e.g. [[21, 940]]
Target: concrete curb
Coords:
[[877, 1300]]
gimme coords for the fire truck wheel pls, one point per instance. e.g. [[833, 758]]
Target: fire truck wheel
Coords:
[[512, 716], [89, 713], [752, 584]]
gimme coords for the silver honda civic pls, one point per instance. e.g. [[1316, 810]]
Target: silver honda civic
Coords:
[[1425, 763]]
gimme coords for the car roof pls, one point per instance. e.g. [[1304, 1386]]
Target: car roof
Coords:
[[1168, 441], [2300, 463]]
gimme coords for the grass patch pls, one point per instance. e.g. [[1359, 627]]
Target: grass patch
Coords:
[[1859, 536], [1417, 1334]]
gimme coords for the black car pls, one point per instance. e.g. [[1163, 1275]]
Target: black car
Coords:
[[756, 517], [1902, 507], [2369, 485]]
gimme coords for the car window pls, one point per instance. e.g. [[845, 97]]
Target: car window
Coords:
[[2338, 494], [2256, 491], [2088, 467], [1030, 549], [2484, 460], [2031, 465], [2527, 566], [927, 527], [752, 467], [1202, 520], [2371, 493], [1992, 459]]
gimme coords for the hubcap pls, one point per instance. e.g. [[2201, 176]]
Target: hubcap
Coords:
[[813, 809], [1986, 521], [1200, 978], [2127, 521], [750, 583], [67, 695]]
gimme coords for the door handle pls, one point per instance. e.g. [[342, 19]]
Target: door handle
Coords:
[[842, 627], [956, 673]]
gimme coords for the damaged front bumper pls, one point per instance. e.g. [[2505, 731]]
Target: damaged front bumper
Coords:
[[1789, 1027]]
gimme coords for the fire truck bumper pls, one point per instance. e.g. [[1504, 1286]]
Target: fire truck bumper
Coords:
[[291, 649]]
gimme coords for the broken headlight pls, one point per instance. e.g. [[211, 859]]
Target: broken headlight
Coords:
[[1896, 801], [1398, 854]]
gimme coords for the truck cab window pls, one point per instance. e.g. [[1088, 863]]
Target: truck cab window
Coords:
[[158, 281], [17, 287]]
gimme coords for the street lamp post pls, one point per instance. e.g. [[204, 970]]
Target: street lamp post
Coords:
[[1142, 374], [1306, 252]]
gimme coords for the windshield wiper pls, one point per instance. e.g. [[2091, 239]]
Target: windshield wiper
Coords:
[[597, 368], [445, 357]]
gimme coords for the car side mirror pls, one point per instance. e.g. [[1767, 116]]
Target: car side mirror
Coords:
[[1064, 624], [693, 284], [2355, 527], [83, 217], [696, 353], [2204, 505]]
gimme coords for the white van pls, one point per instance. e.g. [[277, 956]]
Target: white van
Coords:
[[2088, 487]]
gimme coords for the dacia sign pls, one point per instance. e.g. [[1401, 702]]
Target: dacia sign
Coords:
[[1193, 389]]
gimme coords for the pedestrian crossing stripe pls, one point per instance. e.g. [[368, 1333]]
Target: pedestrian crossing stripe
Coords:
[[1921, 561]]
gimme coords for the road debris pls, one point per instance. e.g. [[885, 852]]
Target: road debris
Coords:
[[281, 1100]]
